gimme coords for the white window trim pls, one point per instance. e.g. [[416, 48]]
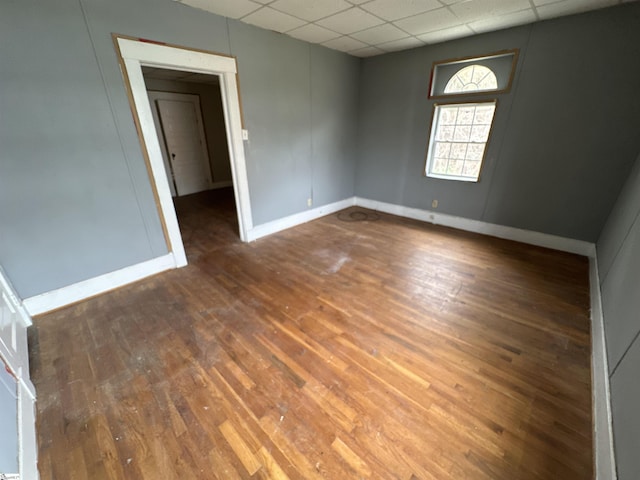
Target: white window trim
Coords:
[[431, 144]]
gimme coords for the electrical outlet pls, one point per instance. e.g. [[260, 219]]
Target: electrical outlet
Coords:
[[245, 134], [434, 203], [309, 202]]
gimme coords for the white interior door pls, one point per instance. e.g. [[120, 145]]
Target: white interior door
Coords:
[[153, 96], [186, 149]]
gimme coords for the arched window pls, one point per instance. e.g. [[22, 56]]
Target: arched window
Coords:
[[472, 78], [460, 131]]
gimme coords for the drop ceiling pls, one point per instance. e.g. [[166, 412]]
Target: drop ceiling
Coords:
[[365, 28]]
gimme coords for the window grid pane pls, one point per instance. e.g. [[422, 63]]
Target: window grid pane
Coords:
[[472, 78], [458, 142]]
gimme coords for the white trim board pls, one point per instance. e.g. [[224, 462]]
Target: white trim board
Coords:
[[603, 437], [135, 54], [28, 446], [61, 297], [45, 302], [48, 301], [298, 219], [604, 456], [508, 233]]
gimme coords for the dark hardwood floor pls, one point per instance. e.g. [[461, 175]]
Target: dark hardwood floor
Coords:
[[360, 345]]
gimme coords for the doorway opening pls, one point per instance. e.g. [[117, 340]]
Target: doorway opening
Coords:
[[189, 119], [136, 55]]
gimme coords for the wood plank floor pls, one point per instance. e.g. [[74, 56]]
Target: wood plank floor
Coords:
[[359, 345]]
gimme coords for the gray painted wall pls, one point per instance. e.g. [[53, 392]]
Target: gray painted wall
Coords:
[[212, 118], [619, 267], [75, 198], [70, 208], [564, 138], [300, 107]]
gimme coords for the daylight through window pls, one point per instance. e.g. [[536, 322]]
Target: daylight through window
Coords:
[[460, 131], [458, 140], [473, 78]]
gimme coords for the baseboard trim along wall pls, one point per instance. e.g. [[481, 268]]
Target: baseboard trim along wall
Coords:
[[604, 456], [298, 219], [61, 297], [45, 302], [508, 233]]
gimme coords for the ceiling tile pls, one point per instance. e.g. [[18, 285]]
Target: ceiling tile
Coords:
[[271, 19], [350, 21], [313, 33], [572, 6], [403, 44], [355, 25], [446, 34], [380, 34], [310, 11], [428, 22], [366, 52], [226, 8], [476, 9], [503, 21], [395, 9], [345, 44]]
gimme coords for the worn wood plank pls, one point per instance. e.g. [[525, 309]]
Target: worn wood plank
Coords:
[[383, 348]]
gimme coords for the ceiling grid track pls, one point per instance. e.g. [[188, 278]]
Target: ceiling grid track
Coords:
[[365, 28]]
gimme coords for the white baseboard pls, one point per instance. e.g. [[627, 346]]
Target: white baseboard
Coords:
[[61, 297], [509, 233], [603, 435], [604, 456], [297, 219]]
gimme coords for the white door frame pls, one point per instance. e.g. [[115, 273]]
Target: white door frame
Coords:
[[135, 53]]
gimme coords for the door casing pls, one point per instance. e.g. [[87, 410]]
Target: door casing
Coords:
[[133, 54]]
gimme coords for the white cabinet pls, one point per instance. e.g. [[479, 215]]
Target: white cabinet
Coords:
[[16, 385]]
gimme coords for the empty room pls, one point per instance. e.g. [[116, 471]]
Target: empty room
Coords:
[[291, 239]]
